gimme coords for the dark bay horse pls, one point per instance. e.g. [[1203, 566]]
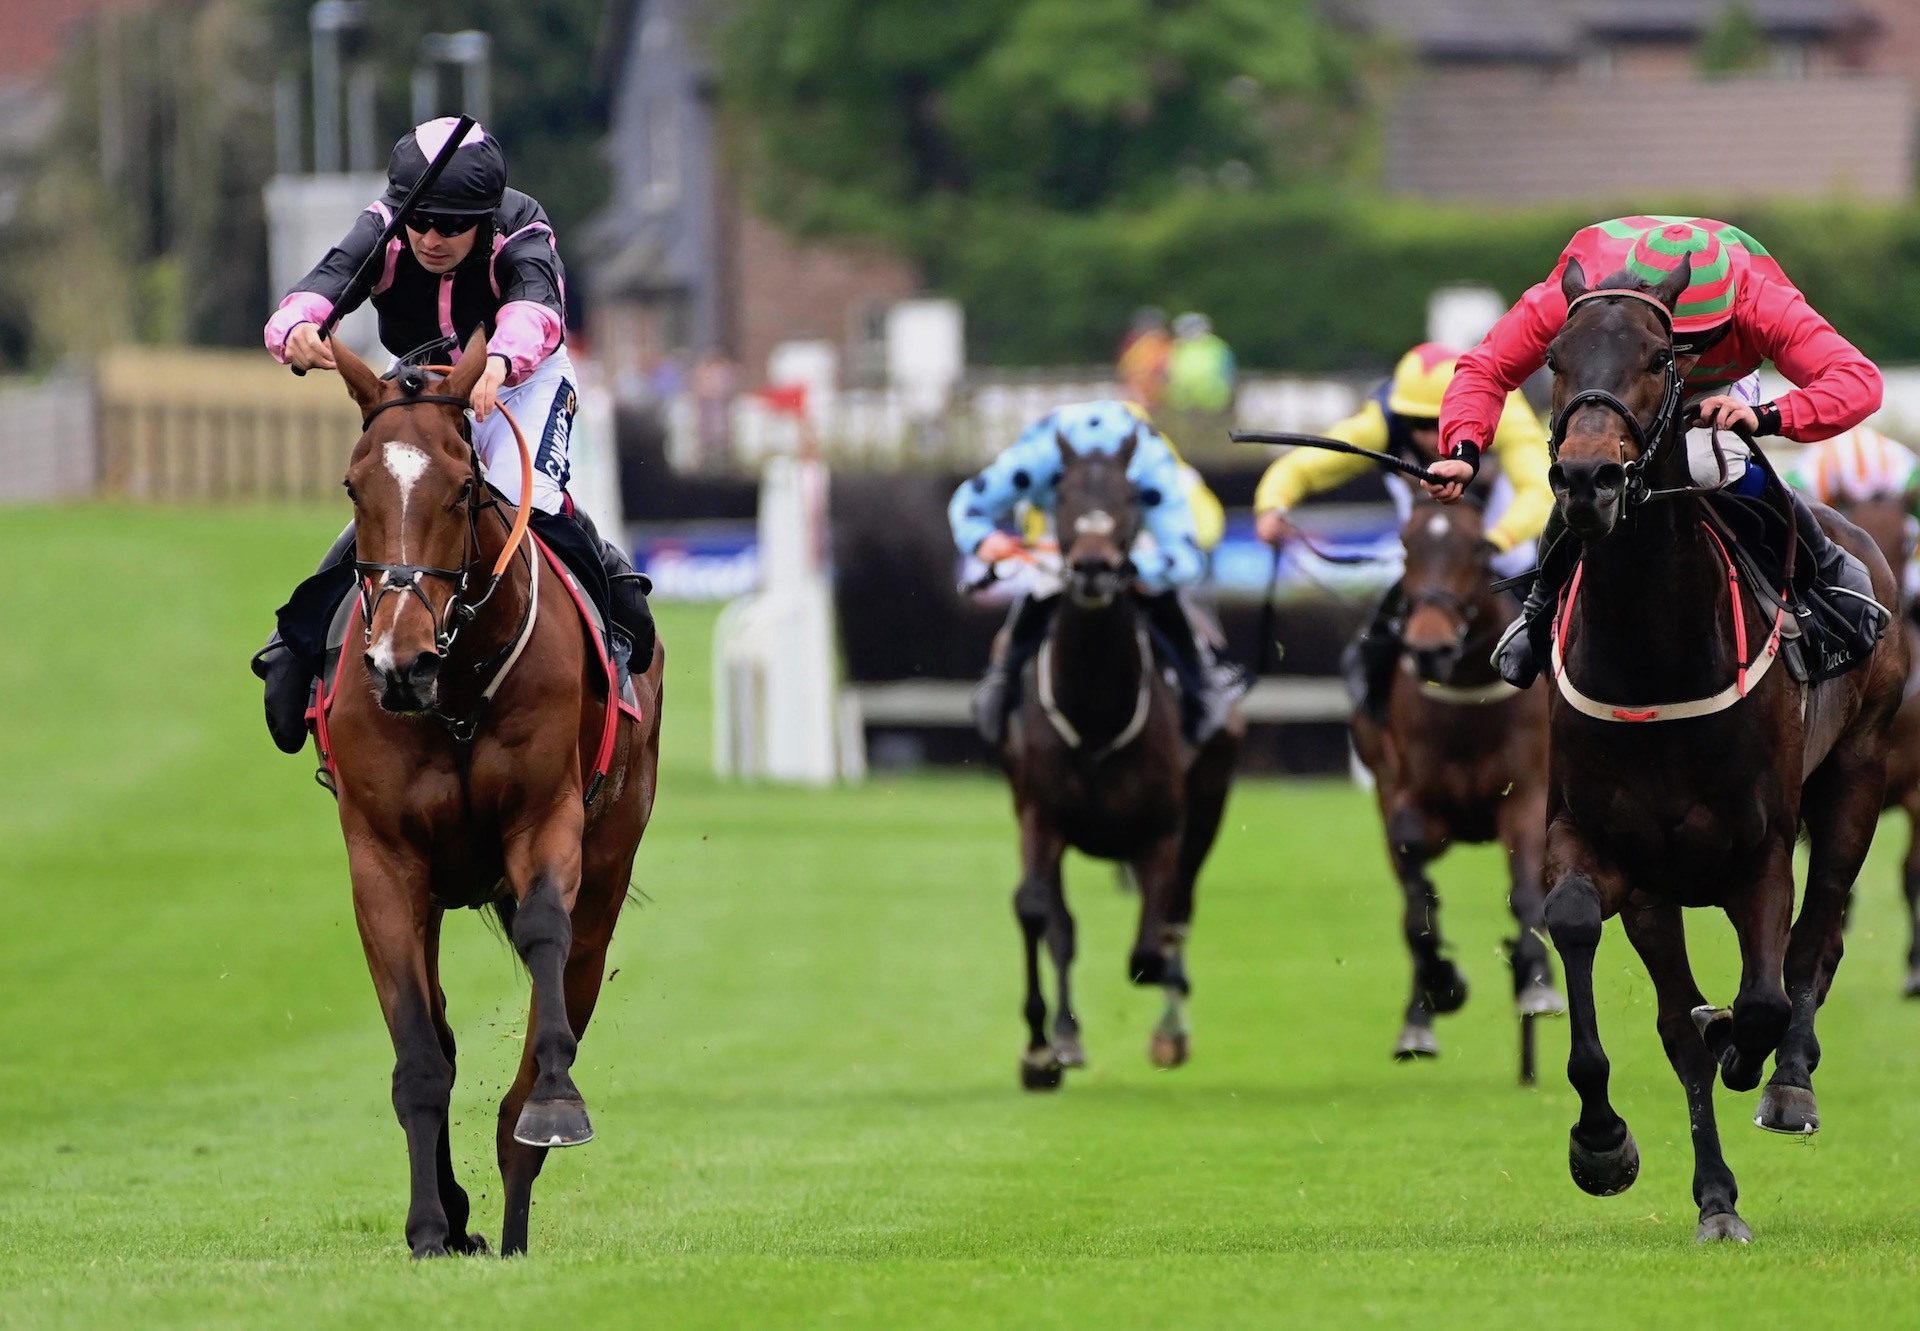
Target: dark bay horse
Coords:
[[449, 798], [1097, 761], [1886, 521], [1653, 804], [1462, 757]]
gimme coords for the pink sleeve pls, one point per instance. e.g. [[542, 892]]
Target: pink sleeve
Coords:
[[302, 307], [1837, 386], [525, 332], [1505, 359]]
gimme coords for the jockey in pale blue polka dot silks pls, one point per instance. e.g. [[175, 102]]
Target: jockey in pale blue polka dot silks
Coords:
[[985, 507]]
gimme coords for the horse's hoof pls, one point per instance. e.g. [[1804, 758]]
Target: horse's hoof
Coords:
[[553, 1123], [1726, 1227], [1446, 990], [1540, 999], [1068, 1053], [1789, 1109], [1040, 1070], [1715, 1025], [474, 1245], [427, 1250], [1415, 1042], [1604, 1173], [1167, 1050]]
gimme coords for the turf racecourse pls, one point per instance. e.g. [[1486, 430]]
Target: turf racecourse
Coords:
[[803, 1074]]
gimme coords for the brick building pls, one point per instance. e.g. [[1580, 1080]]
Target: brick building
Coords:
[[1513, 101], [679, 263]]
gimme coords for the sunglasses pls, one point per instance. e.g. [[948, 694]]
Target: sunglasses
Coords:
[[448, 225]]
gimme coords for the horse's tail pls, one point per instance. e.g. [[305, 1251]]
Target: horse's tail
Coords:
[[504, 908]]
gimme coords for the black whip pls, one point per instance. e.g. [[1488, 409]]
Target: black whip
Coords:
[[1387, 460]]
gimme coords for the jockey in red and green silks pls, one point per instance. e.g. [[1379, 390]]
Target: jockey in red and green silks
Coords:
[[1738, 311], [984, 508]]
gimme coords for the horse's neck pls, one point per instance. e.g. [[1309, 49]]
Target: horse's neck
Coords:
[[1094, 665], [500, 619], [1651, 618]]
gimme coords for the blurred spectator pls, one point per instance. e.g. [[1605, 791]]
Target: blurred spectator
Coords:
[[1200, 385], [1143, 358], [714, 382]]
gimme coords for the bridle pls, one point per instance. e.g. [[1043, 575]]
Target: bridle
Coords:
[[1648, 437], [406, 579]]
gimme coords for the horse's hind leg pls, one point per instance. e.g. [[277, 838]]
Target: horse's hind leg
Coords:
[[1762, 916], [1413, 840], [1841, 808], [1040, 852], [1208, 782], [1910, 883], [1658, 934], [1522, 826], [453, 1197], [1158, 955], [1061, 938], [392, 913]]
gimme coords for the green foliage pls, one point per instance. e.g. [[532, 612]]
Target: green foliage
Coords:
[[1334, 282], [1733, 44], [861, 114]]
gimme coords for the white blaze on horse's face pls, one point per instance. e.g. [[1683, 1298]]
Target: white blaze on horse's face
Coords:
[[1095, 522], [1437, 526], [408, 464]]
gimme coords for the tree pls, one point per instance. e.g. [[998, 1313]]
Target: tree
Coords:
[[1733, 43]]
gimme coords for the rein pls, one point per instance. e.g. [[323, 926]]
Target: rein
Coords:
[[460, 612], [1648, 438]]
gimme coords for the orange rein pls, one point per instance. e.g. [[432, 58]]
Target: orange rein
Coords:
[[518, 532]]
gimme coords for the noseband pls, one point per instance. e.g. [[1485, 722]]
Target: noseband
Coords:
[[1647, 437], [406, 578]]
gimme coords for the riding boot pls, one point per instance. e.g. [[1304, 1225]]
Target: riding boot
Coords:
[[1026, 628], [1368, 662], [1209, 688], [288, 673], [634, 631], [1529, 639], [1844, 587]]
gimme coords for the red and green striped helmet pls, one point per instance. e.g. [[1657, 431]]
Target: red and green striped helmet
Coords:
[[1656, 245]]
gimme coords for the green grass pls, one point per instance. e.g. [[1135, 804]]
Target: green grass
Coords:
[[803, 1074]]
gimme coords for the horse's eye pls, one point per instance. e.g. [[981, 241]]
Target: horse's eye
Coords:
[[1662, 359], [352, 498], [1552, 364]]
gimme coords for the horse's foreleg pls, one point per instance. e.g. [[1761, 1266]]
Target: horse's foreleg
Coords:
[[390, 906], [1413, 840], [1061, 943], [1601, 1154], [1658, 934], [1040, 852], [1841, 808], [1910, 884], [453, 1197], [1159, 946], [544, 871], [1762, 915]]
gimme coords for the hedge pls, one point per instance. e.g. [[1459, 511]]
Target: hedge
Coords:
[[1342, 283]]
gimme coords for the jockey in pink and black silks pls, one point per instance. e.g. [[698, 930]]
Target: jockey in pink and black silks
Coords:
[[472, 254], [1738, 311]]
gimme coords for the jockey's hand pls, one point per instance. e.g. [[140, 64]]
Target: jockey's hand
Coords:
[[1273, 528], [998, 546], [486, 394], [306, 351], [1722, 412], [1454, 476]]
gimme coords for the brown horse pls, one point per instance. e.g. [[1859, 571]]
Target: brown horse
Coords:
[[449, 798], [1097, 761], [1462, 757], [1887, 523], [1656, 805]]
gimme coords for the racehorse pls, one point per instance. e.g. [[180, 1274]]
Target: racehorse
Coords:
[[1654, 805], [1886, 521], [1097, 761], [461, 737], [1462, 756]]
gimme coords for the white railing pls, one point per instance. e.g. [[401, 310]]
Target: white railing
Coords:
[[48, 439]]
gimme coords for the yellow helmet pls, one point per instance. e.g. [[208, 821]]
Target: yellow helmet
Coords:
[[1420, 380]]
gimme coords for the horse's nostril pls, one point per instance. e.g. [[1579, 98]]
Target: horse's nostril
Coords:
[[424, 669], [1609, 476], [1557, 477]]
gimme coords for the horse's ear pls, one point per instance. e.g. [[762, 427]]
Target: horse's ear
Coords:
[[1674, 284], [1126, 450], [473, 363], [360, 379], [1067, 456], [1573, 280]]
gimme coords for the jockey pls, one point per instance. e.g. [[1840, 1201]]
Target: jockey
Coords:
[[1738, 310], [1859, 467], [982, 508], [473, 254], [1401, 416]]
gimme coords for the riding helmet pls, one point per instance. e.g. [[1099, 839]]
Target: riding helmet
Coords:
[[471, 184]]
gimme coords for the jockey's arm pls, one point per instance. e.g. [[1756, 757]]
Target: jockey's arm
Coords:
[[315, 296], [532, 317], [1520, 446], [1836, 387], [1174, 560], [985, 502], [1510, 353], [1305, 472]]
